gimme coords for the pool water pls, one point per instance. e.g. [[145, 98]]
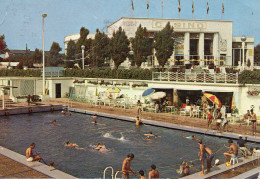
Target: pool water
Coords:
[[120, 137]]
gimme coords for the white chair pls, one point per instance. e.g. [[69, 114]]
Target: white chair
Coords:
[[233, 160]]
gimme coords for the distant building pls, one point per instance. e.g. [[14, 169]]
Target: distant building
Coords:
[[198, 42]]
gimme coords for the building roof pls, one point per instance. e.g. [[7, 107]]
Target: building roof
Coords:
[[164, 19]]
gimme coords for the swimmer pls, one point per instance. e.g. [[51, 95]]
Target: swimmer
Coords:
[[141, 174], [54, 122], [94, 116], [95, 122], [138, 121], [74, 146], [152, 135], [99, 146], [192, 137], [147, 138]]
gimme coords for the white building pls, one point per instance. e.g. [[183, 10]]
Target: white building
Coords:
[[198, 42]]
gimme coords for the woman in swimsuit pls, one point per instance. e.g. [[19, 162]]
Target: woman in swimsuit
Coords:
[[253, 120]]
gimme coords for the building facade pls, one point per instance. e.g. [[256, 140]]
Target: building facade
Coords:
[[197, 42]]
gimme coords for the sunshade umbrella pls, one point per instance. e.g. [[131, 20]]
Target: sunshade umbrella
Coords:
[[158, 95], [213, 99], [148, 92], [113, 90]]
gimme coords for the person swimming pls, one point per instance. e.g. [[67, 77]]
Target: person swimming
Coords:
[[192, 137], [138, 121], [54, 122], [152, 135], [100, 147], [74, 146], [94, 116]]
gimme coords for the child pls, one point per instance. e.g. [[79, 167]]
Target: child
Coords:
[[225, 123]]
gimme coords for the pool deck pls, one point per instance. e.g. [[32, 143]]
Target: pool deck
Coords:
[[14, 165]]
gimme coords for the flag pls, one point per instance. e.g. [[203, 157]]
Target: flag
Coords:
[[223, 8], [207, 7], [147, 4], [179, 6], [193, 7], [132, 4]]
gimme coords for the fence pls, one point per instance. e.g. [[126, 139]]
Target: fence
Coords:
[[196, 77]]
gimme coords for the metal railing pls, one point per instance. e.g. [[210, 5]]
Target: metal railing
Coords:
[[196, 77], [59, 73]]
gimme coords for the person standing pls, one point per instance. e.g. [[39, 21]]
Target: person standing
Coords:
[[126, 166], [29, 100], [29, 154], [202, 154], [246, 116], [210, 116], [210, 157], [139, 107], [253, 120], [153, 173], [218, 117]]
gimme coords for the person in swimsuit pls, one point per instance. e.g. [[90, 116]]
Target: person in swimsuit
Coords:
[[29, 154], [94, 116], [192, 137], [202, 154], [253, 120], [126, 166], [210, 116], [141, 174], [139, 107], [186, 168], [246, 116], [54, 122], [210, 157], [232, 152], [138, 121], [219, 115], [225, 123], [153, 173]]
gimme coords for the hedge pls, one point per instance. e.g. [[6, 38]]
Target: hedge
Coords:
[[249, 77], [20, 73]]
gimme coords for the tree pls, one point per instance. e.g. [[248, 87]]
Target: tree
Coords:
[[100, 48], [257, 54], [71, 50], [164, 44], [3, 46], [37, 56], [119, 47], [141, 45], [55, 58]]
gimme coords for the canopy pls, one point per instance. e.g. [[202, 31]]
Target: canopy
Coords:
[[113, 90], [213, 99], [158, 95], [148, 92]]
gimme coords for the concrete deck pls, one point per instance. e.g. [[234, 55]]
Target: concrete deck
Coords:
[[14, 165]]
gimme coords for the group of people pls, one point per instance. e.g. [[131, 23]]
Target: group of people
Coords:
[[126, 169], [221, 122]]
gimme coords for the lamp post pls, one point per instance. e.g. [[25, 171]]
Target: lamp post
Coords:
[[83, 48], [43, 60], [243, 39]]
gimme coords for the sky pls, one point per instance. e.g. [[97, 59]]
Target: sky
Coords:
[[21, 20]]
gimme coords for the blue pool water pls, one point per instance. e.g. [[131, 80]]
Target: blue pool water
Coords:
[[121, 138]]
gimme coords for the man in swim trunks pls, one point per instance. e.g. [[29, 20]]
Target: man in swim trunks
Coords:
[[246, 116], [153, 173], [94, 116], [126, 170], [210, 116], [138, 121], [219, 115], [242, 146], [202, 154], [99, 146], [210, 157], [232, 152], [29, 154], [54, 122], [225, 123], [253, 120]]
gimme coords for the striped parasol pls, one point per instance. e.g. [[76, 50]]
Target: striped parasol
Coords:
[[213, 99], [158, 95]]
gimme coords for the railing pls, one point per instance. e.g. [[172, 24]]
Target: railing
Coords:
[[112, 175], [58, 73], [196, 77]]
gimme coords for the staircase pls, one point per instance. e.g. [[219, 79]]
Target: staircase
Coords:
[[8, 102]]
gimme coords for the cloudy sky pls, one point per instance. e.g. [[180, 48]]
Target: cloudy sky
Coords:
[[21, 20]]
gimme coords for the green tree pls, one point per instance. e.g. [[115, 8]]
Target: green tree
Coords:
[[100, 48], [164, 44], [71, 50], [3, 46], [141, 45], [54, 58], [257, 54], [37, 56], [119, 47]]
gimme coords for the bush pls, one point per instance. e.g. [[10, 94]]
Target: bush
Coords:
[[249, 77], [138, 74], [19, 72]]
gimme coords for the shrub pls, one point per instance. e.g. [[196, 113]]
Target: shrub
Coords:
[[249, 77]]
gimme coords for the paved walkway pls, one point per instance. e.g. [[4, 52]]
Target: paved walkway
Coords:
[[12, 169]]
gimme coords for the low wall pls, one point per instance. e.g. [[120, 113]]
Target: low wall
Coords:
[[30, 109]]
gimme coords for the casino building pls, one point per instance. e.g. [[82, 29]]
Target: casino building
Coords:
[[197, 42]]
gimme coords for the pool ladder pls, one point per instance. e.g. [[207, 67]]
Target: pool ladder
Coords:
[[112, 174]]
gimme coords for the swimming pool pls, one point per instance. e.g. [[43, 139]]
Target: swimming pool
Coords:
[[120, 137]]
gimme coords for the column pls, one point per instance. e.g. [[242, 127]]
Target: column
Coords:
[[186, 47], [175, 97], [201, 48], [216, 46]]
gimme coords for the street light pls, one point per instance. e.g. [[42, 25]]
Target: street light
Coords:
[[83, 48], [43, 60], [243, 39]]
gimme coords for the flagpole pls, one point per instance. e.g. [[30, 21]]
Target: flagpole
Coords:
[[192, 9], [147, 7], [162, 8], [179, 8]]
